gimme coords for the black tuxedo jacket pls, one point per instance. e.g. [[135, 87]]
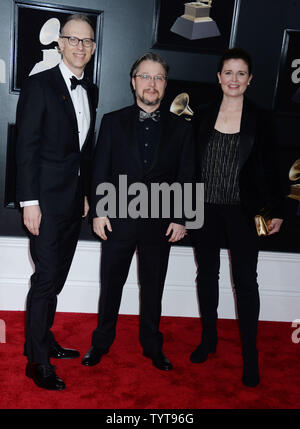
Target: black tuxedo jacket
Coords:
[[47, 149], [117, 153], [259, 181]]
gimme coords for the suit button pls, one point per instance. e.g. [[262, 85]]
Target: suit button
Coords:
[[146, 144]]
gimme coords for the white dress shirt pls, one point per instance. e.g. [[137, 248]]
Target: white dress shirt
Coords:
[[81, 106]]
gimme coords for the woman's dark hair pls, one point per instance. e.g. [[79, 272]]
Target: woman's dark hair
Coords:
[[149, 56], [236, 54]]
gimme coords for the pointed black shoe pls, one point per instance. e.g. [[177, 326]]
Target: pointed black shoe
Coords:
[[160, 361], [200, 354], [58, 352], [250, 376], [44, 376], [93, 356]]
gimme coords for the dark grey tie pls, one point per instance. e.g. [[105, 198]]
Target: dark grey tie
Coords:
[[153, 115]]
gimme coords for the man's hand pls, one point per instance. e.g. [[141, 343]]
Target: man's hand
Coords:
[[274, 226], [86, 207], [178, 233], [32, 216], [99, 224]]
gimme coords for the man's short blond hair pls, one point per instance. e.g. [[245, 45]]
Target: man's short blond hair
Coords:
[[76, 17]]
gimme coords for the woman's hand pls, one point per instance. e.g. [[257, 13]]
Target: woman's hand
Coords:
[[274, 226]]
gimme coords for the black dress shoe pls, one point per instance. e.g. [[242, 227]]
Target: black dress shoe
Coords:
[[200, 354], [250, 370], [44, 376], [93, 356], [58, 352], [160, 361]]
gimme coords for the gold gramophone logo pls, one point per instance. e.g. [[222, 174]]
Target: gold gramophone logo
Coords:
[[198, 10], [294, 175], [180, 106], [196, 22]]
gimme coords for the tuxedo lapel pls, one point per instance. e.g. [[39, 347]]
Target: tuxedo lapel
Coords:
[[207, 123], [129, 125], [64, 98], [92, 106], [247, 133]]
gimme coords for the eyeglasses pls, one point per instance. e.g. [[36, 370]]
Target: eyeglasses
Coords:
[[74, 41], [157, 78]]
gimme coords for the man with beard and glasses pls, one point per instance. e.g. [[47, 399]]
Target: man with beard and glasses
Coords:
[[147, 144]]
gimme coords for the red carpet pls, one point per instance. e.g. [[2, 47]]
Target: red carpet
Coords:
[[126, 380]]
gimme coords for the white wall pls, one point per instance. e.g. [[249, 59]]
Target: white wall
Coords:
[[279, 280]]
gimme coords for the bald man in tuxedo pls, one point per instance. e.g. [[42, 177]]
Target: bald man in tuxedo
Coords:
[[55, 130]]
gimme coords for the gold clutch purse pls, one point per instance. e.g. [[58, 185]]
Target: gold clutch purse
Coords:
[[262, 221]]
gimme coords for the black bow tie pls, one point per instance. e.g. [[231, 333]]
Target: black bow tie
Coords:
[[153, 115], [83, 82]]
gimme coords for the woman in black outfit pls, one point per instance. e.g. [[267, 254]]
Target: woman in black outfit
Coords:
[[235, 161]]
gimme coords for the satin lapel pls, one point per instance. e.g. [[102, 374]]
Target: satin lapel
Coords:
[[92, 106], [247, 133], [129, 132], [207, 122], [64, 97]]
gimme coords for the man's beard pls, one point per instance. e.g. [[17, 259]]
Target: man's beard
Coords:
[[149, 102]]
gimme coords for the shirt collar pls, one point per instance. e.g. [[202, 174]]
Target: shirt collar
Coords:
[[139, 108], [67, 73]]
